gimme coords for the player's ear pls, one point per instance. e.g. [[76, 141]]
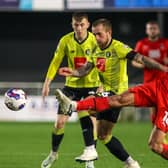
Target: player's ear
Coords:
[[88, 24], [110, 31], [146, 30]]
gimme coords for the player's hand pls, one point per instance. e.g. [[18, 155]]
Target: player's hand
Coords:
[[45, 92], [100, 89], [65, 71]]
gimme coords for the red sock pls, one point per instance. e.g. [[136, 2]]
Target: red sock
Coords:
[[165, 151], [98, 104]]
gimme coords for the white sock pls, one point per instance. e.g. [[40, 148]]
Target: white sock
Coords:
[[90, 147], [129, 160], [74, 105], [53, 153]]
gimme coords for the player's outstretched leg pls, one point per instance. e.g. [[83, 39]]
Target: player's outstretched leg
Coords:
[[66, 104], [50, 159]]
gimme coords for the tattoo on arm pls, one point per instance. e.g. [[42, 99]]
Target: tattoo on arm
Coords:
[[84, 70], [147, 62], [150, 63]]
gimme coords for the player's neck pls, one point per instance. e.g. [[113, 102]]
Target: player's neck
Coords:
[[106, 44], [153, 39], [82, 38]]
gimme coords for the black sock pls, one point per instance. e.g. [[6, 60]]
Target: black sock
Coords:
[[116, 148], [56, 140], [95, 143], [87, 130]]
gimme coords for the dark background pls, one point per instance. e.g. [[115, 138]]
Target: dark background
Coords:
[[28, 39]]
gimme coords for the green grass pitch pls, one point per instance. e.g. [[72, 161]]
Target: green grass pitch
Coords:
[[25, 145]]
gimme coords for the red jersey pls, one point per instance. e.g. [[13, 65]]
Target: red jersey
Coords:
[[154, 94], [156, 50]]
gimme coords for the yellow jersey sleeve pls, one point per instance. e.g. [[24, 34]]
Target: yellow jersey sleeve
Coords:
[[121, 49], [57, 59]]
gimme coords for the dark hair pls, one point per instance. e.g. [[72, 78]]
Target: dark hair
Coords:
[[152, 22], [79, 16], [105, 22]]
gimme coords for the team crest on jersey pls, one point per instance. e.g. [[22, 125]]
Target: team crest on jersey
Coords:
[[87, 52], [72, 51], [108, 54]]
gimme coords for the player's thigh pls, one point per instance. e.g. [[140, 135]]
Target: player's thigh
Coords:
[[78, 93], [142, 95], [106, 121]]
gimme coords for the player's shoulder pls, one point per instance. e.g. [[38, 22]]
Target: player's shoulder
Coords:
[[163, 39], [91, 37], [68, 35], [143, 40], [117, 44], [91, 34]]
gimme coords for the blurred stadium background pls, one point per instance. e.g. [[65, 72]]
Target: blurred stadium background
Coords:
[[29, 33]]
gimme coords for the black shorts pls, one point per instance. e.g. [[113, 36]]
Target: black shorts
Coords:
[[110, 114], [77, 93]]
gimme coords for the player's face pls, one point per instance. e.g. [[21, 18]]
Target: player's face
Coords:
[[103, 36], [153, 31], [80, 28]]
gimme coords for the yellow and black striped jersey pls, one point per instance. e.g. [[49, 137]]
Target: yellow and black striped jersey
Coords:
[[77, 55], [111, 63]]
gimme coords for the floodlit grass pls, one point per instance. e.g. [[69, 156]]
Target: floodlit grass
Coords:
[[25, 145]]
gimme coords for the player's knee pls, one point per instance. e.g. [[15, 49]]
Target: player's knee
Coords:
[[102, 136], [60, 124]]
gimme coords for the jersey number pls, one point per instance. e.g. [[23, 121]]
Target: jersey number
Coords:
[[165, 118]]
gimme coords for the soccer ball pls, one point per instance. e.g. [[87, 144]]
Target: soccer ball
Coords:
[[15, 99]]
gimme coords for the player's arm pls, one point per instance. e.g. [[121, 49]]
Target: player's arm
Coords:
[[54, 65], [79, 72], [138, 48], [146, 61], [46, 88], [137, 65], [52, 70], [83, 70]]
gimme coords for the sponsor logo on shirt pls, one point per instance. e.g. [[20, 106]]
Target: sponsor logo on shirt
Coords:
[[154, 53]]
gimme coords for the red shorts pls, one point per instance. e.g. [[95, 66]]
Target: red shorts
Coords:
[[154, 94]]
